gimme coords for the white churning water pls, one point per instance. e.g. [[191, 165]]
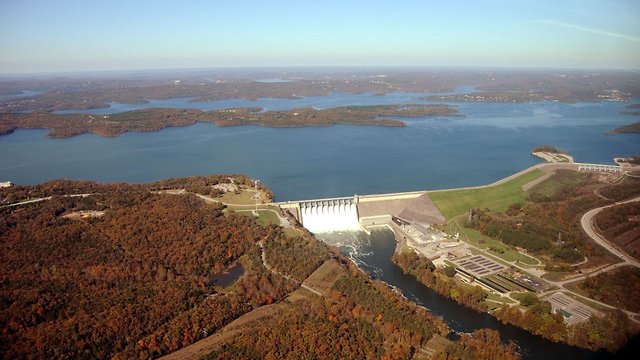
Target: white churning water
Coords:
[[321, 216]]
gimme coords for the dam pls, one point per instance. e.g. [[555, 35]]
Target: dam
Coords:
[[359, 212], [326, 215]]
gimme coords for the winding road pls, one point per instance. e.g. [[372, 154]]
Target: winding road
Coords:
[[587, 224]]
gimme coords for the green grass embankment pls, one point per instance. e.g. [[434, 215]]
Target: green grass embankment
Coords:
[[560, 181], [497, 198]]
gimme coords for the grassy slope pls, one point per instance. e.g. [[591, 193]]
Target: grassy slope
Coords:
[[498, 198], [561, 180], [266, 217]]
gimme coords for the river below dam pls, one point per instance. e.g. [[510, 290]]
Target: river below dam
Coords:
[[373, 254]]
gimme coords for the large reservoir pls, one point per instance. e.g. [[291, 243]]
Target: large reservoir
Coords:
[[491, 141]]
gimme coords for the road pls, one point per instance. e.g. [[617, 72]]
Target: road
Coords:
[[31, 201], [276, 272], [547, 168], [587, 224]]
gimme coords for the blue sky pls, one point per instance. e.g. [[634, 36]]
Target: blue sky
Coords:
[[69, 35]]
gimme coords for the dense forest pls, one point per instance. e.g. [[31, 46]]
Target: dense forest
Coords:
[[610, 332], [627, 188], [619, 287], [358, 319], [198, 184], [441, 280], [483, 344], [620, 224], [73, 288], [133, 279]]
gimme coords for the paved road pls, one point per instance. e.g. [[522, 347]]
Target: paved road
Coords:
[[587, 224], [561, 284], [31, 201], [593, 273], [547, 168]]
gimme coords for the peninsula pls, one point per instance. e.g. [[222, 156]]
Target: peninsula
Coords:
[[634, 109], [632, 128]]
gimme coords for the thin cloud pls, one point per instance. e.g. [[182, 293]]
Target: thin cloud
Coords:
[[589, 30]]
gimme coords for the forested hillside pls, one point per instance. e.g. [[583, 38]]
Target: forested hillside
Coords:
[[126, 272]]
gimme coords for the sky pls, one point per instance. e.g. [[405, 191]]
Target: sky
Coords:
[[72, 35]]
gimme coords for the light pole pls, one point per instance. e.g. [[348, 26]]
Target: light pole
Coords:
[[255, 187]]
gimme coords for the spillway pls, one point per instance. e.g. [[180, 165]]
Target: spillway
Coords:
[[321, 216]]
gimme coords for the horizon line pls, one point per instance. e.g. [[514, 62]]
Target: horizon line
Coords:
[[315, 68]]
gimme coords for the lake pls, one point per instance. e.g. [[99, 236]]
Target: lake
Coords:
[[490, 142]]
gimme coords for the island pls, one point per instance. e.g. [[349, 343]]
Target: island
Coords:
[[38, 106], [155, 119]]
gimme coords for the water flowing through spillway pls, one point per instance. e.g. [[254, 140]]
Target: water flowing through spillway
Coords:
[[321, 216]]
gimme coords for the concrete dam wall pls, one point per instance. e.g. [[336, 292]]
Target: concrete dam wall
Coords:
[[357, 212], [328, 215]]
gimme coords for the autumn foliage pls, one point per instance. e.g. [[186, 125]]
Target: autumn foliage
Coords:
[[470, 296], [135, 281], [131, 283]]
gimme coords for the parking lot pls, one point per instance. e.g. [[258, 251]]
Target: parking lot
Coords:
[[572, 310]]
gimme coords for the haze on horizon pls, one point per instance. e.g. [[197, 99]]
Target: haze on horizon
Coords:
[[71, 35]]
